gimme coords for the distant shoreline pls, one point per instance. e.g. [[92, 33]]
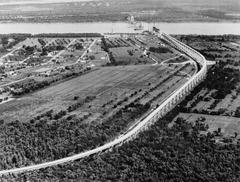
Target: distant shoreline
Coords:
[[113, 21], [42, 2]]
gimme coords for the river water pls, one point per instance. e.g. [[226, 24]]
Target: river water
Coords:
[[120, 27]]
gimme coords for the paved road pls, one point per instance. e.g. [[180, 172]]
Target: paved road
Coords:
[[8, 54], [32, 54], [7, 84], [86, 51], [60, 53]]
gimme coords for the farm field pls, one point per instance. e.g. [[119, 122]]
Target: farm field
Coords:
[[229, 125], [138, 49], [94, 107], [126, 55], [126, 50], [46, 59], [158, 49], [109, 84], [228, 105]]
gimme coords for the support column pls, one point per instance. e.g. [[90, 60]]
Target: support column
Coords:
[[166, 109], [188, 88], [176, 98], [179, 96], [155, 118], [191, 86], [162, 112], [182, 93], [168, 106]]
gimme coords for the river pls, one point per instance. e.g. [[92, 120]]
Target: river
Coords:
[[120, 27]]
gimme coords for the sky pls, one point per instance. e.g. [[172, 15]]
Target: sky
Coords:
[[18, 2]]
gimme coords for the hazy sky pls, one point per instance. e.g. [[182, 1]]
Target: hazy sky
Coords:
[[16, 2]]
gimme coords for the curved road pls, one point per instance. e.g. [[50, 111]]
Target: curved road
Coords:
[[143, 124]]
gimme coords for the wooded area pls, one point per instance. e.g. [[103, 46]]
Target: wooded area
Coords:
[[163, 153]]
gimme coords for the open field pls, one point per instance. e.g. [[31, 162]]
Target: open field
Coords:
[[228, 105], [126, 55], [229, 125], [158, 49], [94, 107], [45, 59], [125, 50], [138, 49], [110, 84]]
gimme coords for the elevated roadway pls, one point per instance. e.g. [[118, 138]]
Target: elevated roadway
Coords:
[[167, 105]]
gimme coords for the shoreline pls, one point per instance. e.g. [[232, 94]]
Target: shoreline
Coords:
[[117, 21]]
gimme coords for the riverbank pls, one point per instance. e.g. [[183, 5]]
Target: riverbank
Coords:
[[111, 11]]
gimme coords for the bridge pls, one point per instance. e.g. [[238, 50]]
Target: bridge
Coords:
[[143, 124]]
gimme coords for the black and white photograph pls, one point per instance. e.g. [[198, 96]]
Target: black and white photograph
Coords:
[[119, 90]]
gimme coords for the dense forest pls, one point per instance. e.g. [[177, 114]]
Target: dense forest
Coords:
[[52, 136], [163, 153]]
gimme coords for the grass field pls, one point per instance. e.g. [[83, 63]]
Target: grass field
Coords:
[[129, 55], [139, 49], [110, 85], [228, 125]]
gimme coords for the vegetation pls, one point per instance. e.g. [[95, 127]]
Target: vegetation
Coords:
[[219, 93], [30, 85], [159, 49], [51, 136], [219, 78], [154, 11], [168, 151], [56, 134], [7, 41], [163, 153], [66, 35]]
